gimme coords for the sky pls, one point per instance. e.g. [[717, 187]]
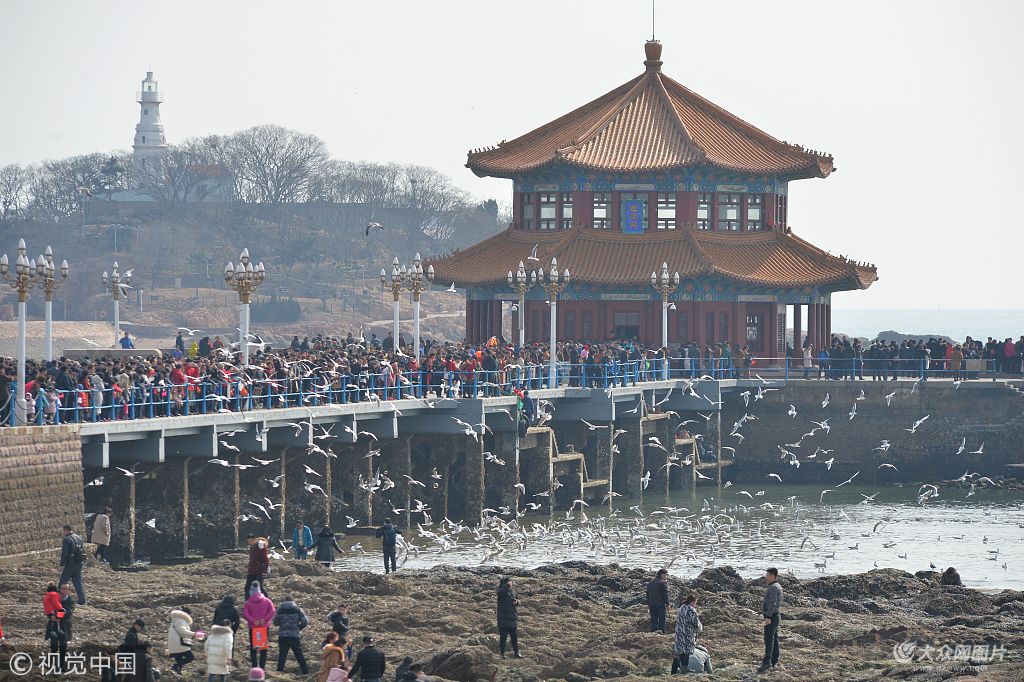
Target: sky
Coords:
[[919, 101]]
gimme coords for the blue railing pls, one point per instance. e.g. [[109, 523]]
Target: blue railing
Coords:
[[206, 396]]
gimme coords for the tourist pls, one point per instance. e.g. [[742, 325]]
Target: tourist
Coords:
[[179, 638], [325, 545], [403, 668], [55, 633], [101, 534], [290, 621], [67, 603], [219, 648], [950, 577], [338, 619], [689, 656], [657, 600], [72, 558], [302, 539], [508, 617], [332, 655], [259, 563], [144, 670], [771, 612], [388, 534], [227, 611], [258, 613], [413, 674], [131, 640], [126, 342], [370, 662]]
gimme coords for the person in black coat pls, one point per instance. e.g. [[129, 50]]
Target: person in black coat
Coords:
[[226, 611], [325, 545], [370, 661], [657, 600], [508, 616]]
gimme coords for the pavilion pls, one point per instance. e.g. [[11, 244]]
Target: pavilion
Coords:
[[646, 174]]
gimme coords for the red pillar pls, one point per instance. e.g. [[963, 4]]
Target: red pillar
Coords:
[[828, 321], [798, 339], [812, 326]]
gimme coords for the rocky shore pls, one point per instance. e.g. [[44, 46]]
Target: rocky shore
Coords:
[[578, 621]]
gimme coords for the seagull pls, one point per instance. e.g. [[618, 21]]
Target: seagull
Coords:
[[373, 225], [980, 450], [351, 522], [888, 398], [822, 497], [533, 253], [862, 396], [849, 480], [792, 411], [646, 480], [129, 474], [218, 461], [853, 411], [828, 463], [963, 445], [310, 470], [95, 481], [229, 446], [151, 523], [265, 462], [451, 289], [824, 403], [775, 476], [888, 466], [90, 342], [593, 427], [884, 447], [913, 429], [310, 487], [190, 332], [261, 508]]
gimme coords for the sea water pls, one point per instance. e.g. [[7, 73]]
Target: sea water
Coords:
[[956, 324]]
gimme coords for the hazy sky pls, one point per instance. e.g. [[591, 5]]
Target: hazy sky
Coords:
[[920, 102]]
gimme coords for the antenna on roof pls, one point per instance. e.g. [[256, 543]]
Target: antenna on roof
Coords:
[[652, 19]]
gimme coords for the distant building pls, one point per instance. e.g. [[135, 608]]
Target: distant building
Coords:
[[653, 173], [150, 140]]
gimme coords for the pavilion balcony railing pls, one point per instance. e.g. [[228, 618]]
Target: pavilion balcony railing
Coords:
[[207, 396]]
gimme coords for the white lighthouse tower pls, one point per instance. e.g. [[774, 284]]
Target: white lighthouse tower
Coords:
[[150, 142]]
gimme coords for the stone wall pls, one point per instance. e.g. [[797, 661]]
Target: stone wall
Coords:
[[40, 487], [983, 412]]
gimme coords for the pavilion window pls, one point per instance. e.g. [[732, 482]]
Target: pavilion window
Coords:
[[754, 219], [780, 210], [529, 214], [548, 210], [729, 211], [602, 210], [570, 326], [683, 327], [704, 211], [566, 210], [588, 327], [667, 211]]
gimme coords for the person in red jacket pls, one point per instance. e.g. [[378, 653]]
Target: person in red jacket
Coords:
[[55, 633], [259, 564]]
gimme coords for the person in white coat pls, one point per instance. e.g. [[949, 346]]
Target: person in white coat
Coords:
[[179, 638], [101, 534], [218, 648]]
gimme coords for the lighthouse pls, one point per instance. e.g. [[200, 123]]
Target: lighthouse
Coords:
[[150, 142]]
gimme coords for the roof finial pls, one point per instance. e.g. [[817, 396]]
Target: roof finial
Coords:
[[652, 49]]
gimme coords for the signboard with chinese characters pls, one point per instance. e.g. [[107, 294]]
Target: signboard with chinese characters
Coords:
[[633, 217]]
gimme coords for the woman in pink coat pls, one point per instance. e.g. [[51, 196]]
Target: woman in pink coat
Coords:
[[258, 612]]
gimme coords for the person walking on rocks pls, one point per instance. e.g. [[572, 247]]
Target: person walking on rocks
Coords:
[[259, 565], [179, 638], [55, 633], [771, 612], [332, 656], [290, 620], [302, 540], [72, 558], [227, 610], [508, 617], [690, 657], [101, 534], [388, 534], [370, 661], [258, 612], [657, 600], [219, 647], [326, 544], [67, 602]]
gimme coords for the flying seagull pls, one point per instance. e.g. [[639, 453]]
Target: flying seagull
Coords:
[[373, 225]]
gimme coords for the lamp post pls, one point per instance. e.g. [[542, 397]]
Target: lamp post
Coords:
[[553, 283], [26, 274], [521, 282], [113, 285], [394, 283], [417, 280], [664, 285], [50, 283], [244, 278]]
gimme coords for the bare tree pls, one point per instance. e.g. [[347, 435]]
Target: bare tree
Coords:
[[275, 165], [15, 185]]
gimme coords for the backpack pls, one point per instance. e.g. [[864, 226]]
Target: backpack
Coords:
[[77, 554], [390, 535]]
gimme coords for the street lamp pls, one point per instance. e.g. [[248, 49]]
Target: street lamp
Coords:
[[50, 283], [398, 274], [521, 282], [244, 278], [415, 284], [553, 283], [26, 274], [114, 285], [664, 285]]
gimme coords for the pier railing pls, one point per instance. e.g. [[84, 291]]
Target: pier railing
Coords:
[[240, 394]]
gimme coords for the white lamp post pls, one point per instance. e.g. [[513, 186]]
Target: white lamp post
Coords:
[[553, 283], [50, 284], [521, 282], [26, 273], [416, 282], [398, 274], [114, 284], [664, 285], [244, 278]]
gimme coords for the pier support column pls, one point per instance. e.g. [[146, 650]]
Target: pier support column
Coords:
[[501, 480], [439, 495], [629, 460], [131, 519], [604, 459], [236, 506], [473, 473], [184, 507], [655, 459], [282, 491]]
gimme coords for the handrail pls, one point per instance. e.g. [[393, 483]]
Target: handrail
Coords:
[[241, 394]]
